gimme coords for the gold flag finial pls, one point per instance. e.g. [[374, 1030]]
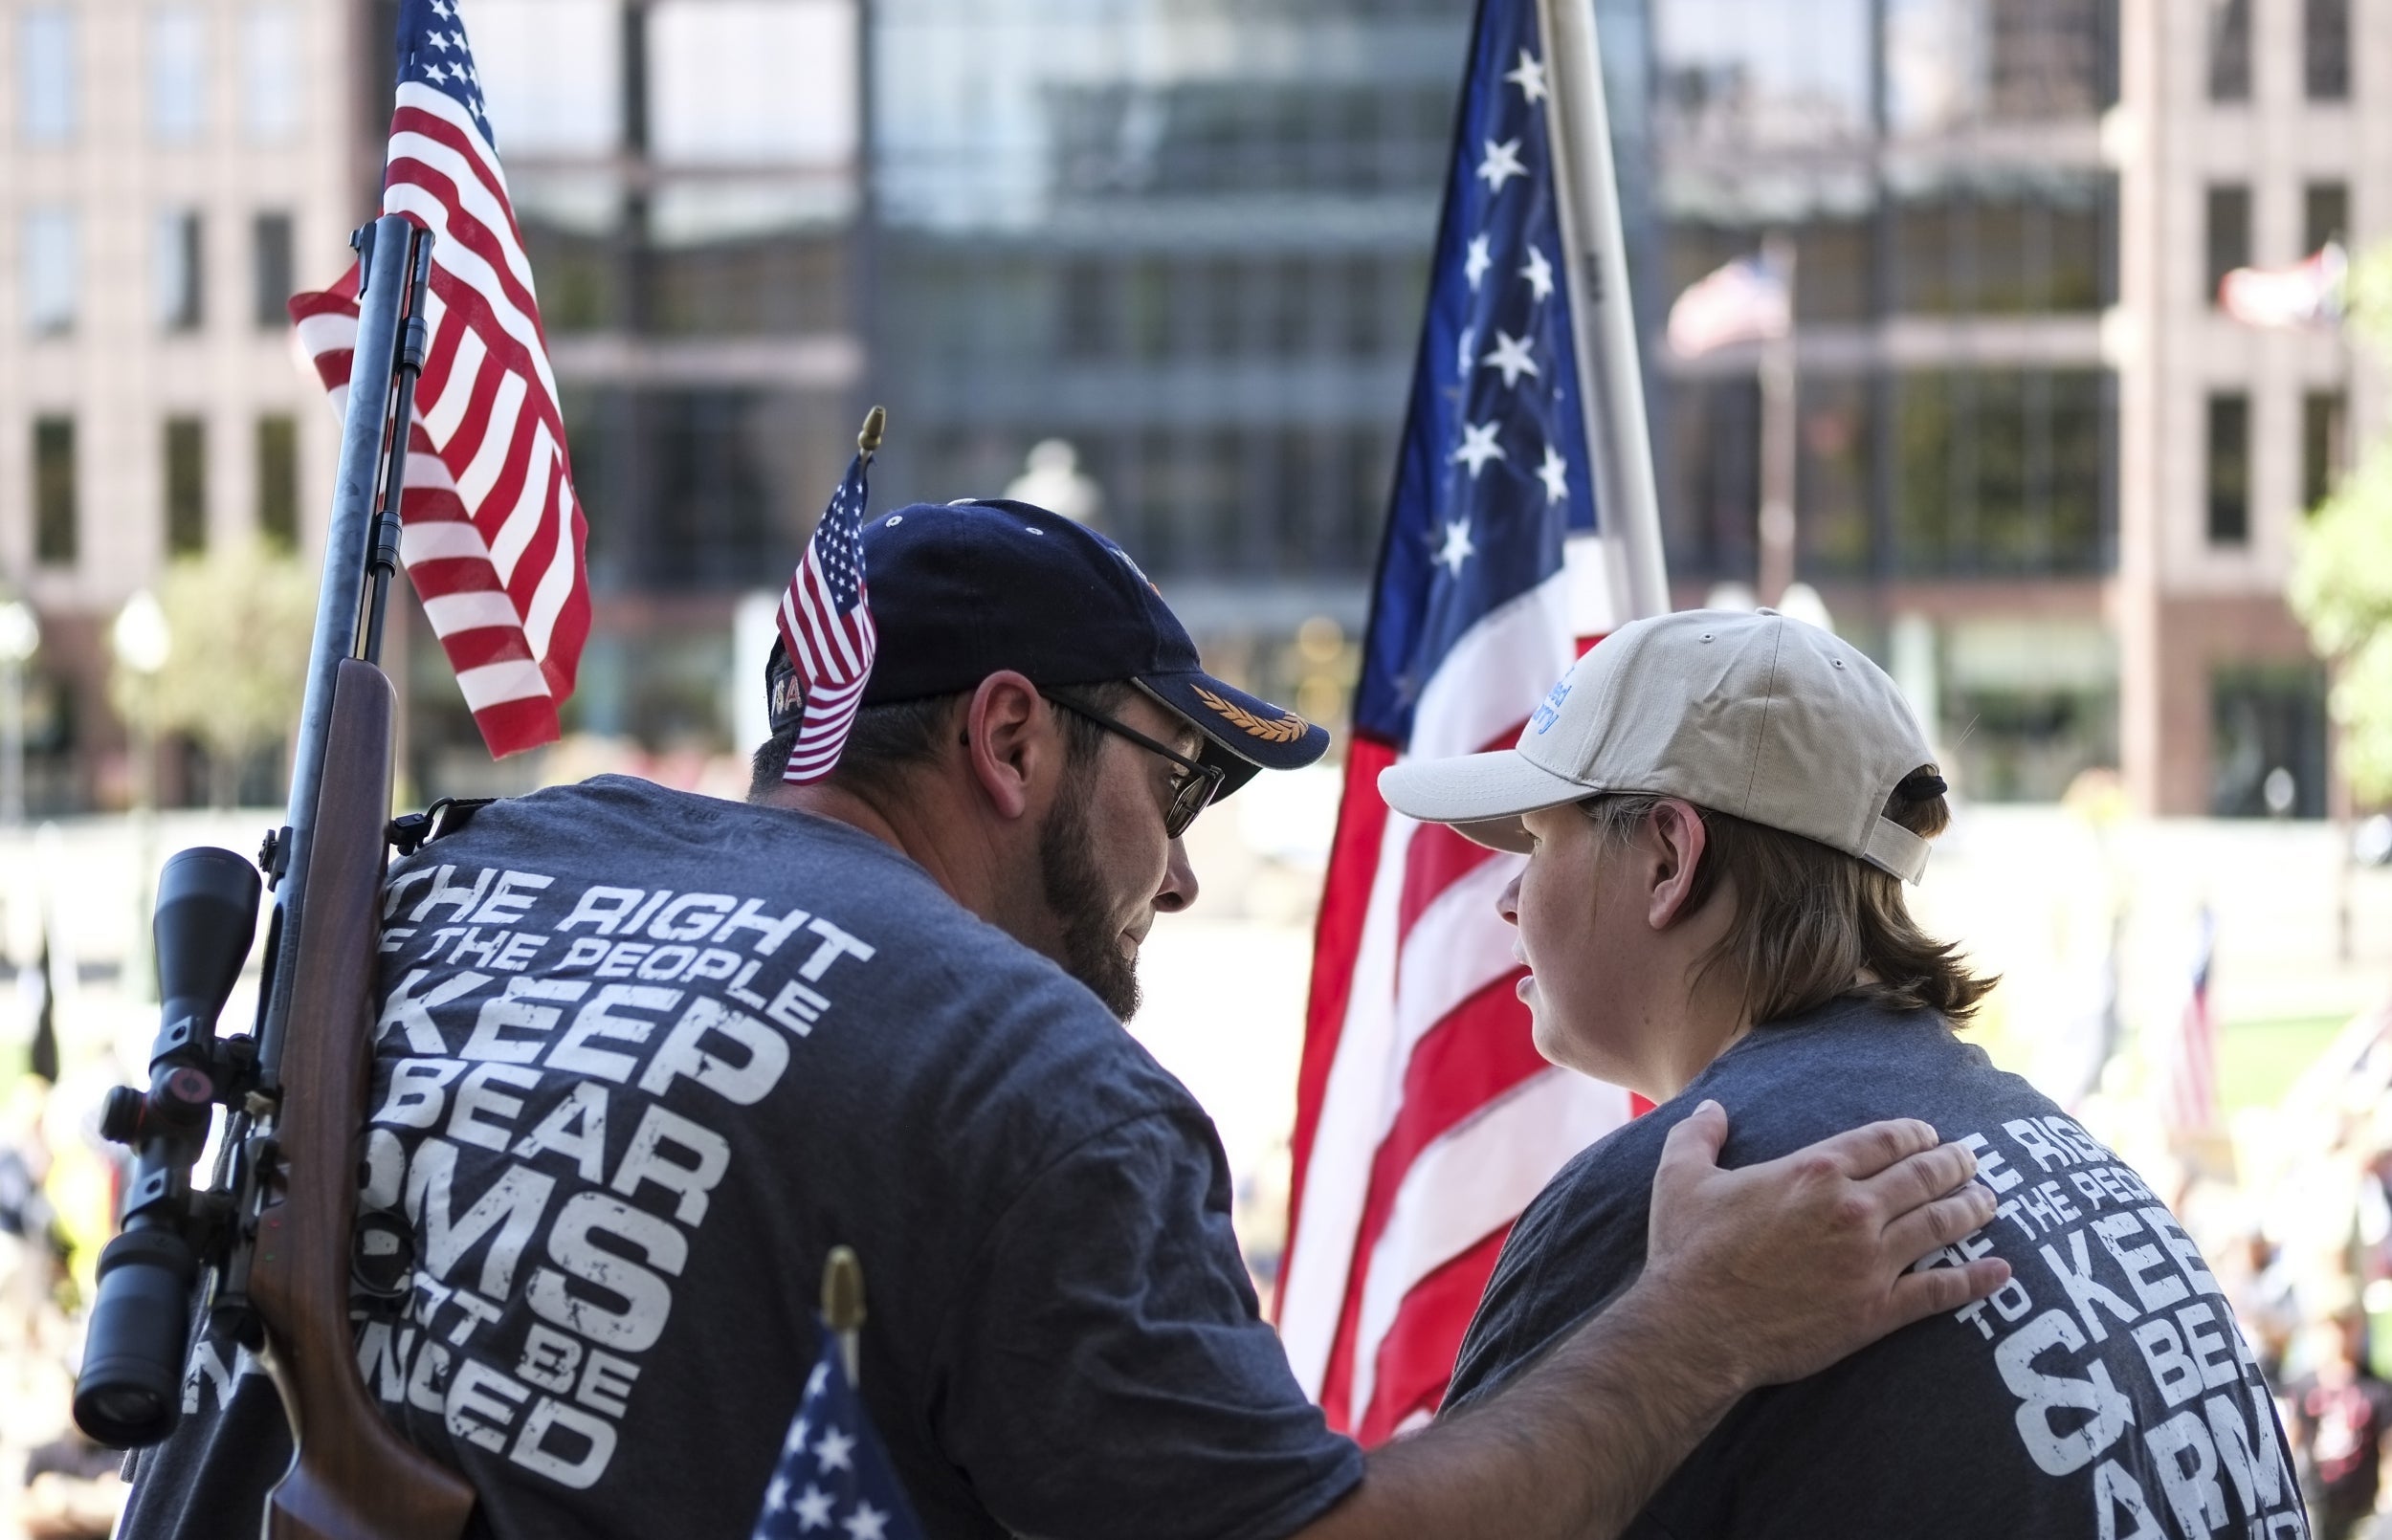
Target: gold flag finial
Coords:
[[842, 1273], [868, 442]]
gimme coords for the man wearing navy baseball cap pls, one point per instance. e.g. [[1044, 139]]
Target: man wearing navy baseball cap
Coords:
[[645, 1057], [997, 619]]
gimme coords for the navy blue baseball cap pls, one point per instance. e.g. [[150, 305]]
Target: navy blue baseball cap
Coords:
[[962, 591]]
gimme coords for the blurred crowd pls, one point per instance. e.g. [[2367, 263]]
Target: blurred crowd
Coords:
[[59, 1186], [2306, 1260]]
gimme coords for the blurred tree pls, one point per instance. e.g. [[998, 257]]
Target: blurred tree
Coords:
[[241, 618], [2342, 574]]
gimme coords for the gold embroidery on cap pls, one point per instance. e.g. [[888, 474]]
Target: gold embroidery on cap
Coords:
[[1286, 730]]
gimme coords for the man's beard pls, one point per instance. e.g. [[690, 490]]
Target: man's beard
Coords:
[[1073, 885]]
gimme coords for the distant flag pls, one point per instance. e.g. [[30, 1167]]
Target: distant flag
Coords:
[[825, 622], [2191, 1054], [1745, 300], [1426, 1119], [833, 1478], [42, 1054], [2307, 294], [491, 534]]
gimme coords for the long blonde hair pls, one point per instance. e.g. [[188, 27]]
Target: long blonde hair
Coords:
[[1809, 920]]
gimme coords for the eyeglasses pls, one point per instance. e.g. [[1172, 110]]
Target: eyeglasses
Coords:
[[1191, 788]]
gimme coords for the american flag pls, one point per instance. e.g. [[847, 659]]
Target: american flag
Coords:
[[2307, 294], [827, 626], [1424, 1117], [2191, 1051], [490, 532], [1745, 300], [833, 1478]]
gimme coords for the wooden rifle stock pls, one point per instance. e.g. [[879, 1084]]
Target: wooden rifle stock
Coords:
[[353, 1476]]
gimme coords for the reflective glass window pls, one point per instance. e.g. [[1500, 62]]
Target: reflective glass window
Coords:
[[178, 74], [1760, 72], [752, 81], [273, 82], [46, 74], [52, 271], [185, 464], [177, 270], [551, 75], [54, 533], [2229, 50]]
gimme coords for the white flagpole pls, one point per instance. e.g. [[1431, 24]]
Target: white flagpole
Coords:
[[1603, 322]]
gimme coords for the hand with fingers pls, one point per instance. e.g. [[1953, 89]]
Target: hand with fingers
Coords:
[[1777, 1270]]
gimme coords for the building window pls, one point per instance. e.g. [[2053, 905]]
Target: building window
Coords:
[[2268, 742], [176, 269], [2326, 50], [270, 271], [178, 74], [1975, 245], [46, 74], [2000, 471], [2325, 444], [186, 486], [719, 82], [51, 267], [2229, 50], [278, 479], [2325, 214], [53, 491], [270, 74], [2229, 469], [2228, 232]]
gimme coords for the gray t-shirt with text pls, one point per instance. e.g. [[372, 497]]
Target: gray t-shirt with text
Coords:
[[2102, 1393], [643, 1059]]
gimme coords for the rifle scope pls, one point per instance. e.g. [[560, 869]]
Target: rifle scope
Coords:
[[130, 1392]]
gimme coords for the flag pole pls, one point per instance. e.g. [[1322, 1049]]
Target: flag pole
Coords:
[[1778, 444], [1602, 320], [843, 1294]]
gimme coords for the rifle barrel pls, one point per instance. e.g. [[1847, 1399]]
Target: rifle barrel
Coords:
[[388, 268]]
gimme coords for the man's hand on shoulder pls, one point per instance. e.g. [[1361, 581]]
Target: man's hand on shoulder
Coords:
[[1775, 1271], [1752, 1277]]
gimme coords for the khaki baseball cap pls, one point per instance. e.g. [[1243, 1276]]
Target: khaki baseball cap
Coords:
[[1748, 714]]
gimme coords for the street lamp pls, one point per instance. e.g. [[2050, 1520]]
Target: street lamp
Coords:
[[20, 633], [142, 643]]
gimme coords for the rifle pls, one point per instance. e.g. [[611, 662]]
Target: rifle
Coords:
[[265, 1249]]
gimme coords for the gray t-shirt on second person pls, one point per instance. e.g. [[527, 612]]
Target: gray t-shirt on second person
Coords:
[[644, 1058], [2103, 1394]]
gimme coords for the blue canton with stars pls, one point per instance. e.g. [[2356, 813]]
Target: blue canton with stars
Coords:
[[433, 51], [840, 539], [1493, 468], [833, 1479]]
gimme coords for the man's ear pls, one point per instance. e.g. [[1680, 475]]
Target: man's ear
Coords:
[[1010, 743], [1678, 839]]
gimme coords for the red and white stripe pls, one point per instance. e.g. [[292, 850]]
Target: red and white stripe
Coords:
[[1426, 1119], [1743, 300], [2191, 1066], [491, 533], [833, 654]]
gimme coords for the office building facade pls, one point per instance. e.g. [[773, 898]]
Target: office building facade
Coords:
[[1165, 261], [173, 170]]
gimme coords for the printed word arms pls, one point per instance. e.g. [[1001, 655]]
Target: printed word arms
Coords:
[[267, 1245]]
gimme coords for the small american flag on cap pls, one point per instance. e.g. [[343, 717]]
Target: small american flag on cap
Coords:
[[825, 622]]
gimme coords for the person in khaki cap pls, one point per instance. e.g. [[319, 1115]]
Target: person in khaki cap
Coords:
[[1719, 811]]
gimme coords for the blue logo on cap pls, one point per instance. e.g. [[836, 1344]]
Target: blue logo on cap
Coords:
[[1550, 712]]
